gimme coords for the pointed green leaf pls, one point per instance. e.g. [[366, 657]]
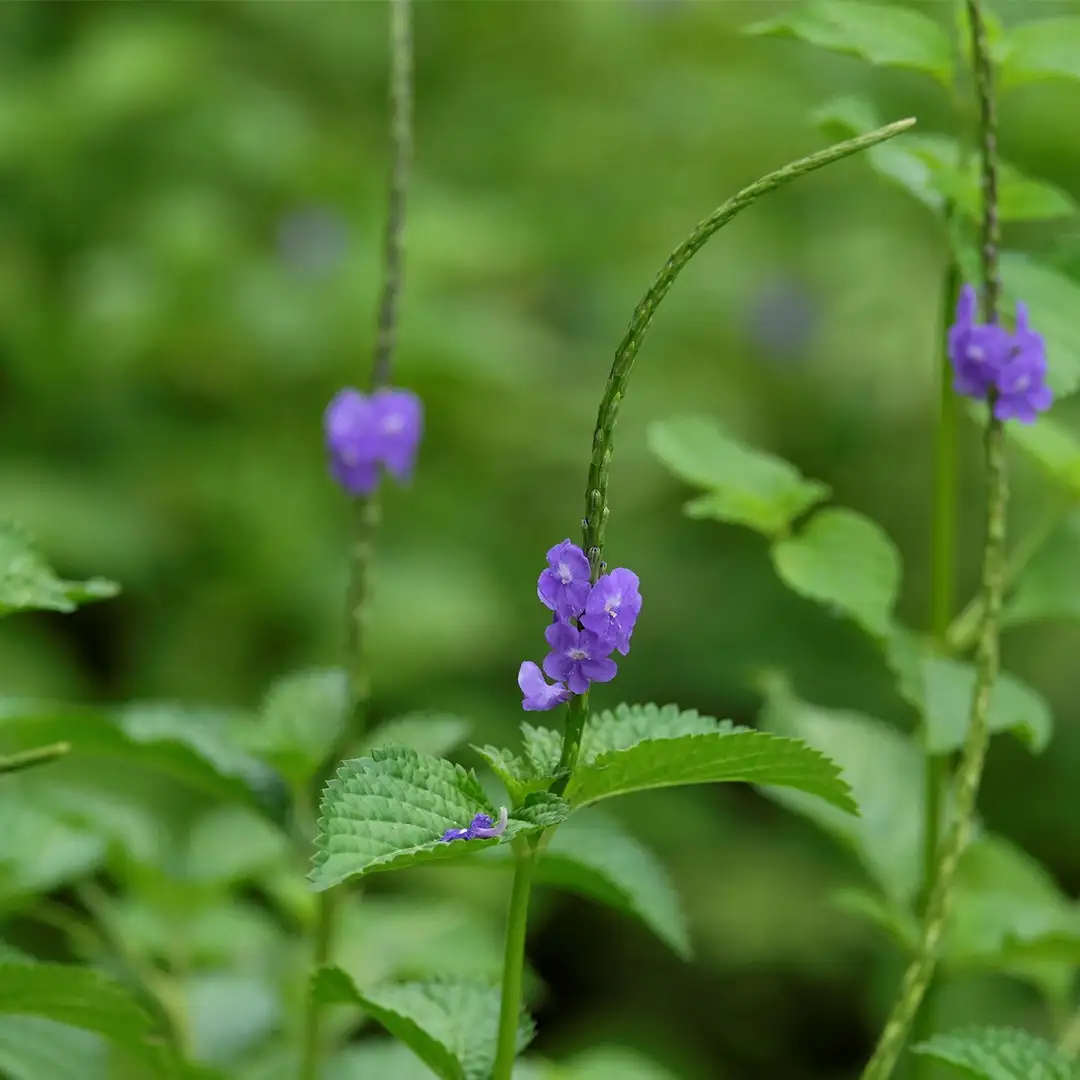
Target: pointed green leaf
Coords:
[[881, 34], [33, 1048], [594, 856], [724, 754], [27, 583], [1042, 49], [885, 771], [999, 1054], [1048, 587], [451, 1025], [82, 998], [847, 562], [1053, 300], [301, 719], [388, 811], [941, 688], [745, 486], [199, 747], [518, 775]]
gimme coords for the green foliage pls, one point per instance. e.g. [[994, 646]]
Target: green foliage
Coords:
[[388, 811], [450, 1025], [723, 755], [425, 732], [1051, 444], [884, 770], [81, 998], [879, 33], [940, 689], [1000, 1054], [1048, 587], [199, 747], [33, 1048], [744, 486], [27, 582], [1042, 49], [846, 561], [594, 856]]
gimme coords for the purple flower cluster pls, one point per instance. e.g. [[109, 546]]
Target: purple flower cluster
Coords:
[[987, 357], [480, 828], [365, 432], [590, 622]]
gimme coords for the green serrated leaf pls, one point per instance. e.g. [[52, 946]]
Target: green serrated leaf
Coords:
[[1048, 587], [745, 486], [27, 583], [847, 562], [1053, 300], [81, 998], [451, 1025], [388, 811], [196, 746], [940, 688], [881, 34], [1042, 49], [33, 1048], [301, 719], [594, 856], [885, 771], [518, 775], [999, 1054], [722, 755]]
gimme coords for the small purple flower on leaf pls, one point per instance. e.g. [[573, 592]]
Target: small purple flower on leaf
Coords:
[[480, 828], [364, 433], [578, 657], [564, 585], [613, 607], [540, 695], [987, 358]]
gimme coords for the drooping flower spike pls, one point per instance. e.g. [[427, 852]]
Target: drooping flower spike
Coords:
[[480, 828], [366, 433], [986, 357]]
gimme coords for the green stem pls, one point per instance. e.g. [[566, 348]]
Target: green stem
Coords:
[[367, 510], [596, 504], [514, 963], [39, 755], [577, 712], [920, 971]]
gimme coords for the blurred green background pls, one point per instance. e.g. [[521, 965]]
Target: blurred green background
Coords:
[[191, 203]]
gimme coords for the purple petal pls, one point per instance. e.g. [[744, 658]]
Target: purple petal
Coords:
[[569, 561], [483, 828], [454, 834], [966, 304], [529, 678], [561, 636], [600, 669], [576, 680], [559, 666], [399, 423]]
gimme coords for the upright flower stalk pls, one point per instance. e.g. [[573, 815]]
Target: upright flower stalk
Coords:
[[593, 611], [1008, 372], [367, 435]]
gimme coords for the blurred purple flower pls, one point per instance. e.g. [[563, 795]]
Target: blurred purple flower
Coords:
[[578, 657], [480, 828], [539, 694], [612, 608], [987, 358], [781, 319], [363, 433], [564, 585]]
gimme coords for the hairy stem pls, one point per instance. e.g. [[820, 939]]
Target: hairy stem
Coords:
[[367, 510], [577, 713], [514, 962], [596, 497], [921, 969]]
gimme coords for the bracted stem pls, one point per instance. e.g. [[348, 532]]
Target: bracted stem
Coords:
[[920, 971], [367, 510]]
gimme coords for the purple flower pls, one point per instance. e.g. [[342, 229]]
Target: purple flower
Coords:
[[612, 607], [480, 828], [988, 358], [578, 657], [564, 585], [363, 433], [539, 694]]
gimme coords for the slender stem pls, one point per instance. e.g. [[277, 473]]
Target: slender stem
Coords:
[[596, 500], [39, 755], [367, 510], [578, 711], [920, 970], [514, 963]]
